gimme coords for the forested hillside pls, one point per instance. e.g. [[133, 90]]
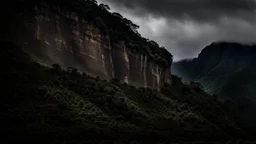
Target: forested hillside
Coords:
[[43, 104]]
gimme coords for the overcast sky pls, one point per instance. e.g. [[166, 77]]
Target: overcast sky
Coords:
[[185, 27]]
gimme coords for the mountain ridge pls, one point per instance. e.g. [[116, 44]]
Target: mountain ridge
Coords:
[[219, 58], [228, 71]]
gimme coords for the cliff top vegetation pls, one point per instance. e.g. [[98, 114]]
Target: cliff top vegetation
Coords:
[[113, 24]]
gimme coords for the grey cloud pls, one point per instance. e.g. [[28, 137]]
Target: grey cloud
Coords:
[[200, 10], [230, 30], [185, 27]]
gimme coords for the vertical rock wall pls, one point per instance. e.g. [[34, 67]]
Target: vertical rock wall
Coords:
[[54, 36]]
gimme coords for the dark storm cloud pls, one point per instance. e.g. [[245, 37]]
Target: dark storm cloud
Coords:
[[201, 10], [185, 27]]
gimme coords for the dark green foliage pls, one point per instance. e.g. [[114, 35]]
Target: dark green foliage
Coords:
[[115, 81], [215, 97], [71, 70], [104, 7], [197, 86], [56, 67], [75, 108]]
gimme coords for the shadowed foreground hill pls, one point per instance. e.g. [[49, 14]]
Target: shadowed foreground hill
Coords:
[[50, 105]]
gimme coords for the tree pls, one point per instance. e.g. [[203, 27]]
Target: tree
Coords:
[[118, 15], [153, 43], [115, 80], [56, 66], [94, 1], [72, 70], [162, 47], [134, 26], [109, 90], [104, 7], [215, 97], [130, 24], [196, 84]]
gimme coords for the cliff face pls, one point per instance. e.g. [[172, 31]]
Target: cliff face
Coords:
[[52, 35]]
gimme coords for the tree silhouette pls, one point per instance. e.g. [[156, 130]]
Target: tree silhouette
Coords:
[[104, 7], [94, 1], [56, 66], [130, 24], [118, 15]]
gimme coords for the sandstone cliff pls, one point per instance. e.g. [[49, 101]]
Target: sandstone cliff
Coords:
[[52, 34]]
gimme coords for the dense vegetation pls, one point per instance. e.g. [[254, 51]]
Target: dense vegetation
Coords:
[[113, 24], [51, 105]]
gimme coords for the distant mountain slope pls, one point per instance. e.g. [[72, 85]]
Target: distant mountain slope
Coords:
[[225, 69]]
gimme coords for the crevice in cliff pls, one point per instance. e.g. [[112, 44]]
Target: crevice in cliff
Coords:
[[144, 71], [127, 65]]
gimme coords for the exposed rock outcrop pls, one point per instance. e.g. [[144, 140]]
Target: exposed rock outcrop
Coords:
[[53, 35]]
